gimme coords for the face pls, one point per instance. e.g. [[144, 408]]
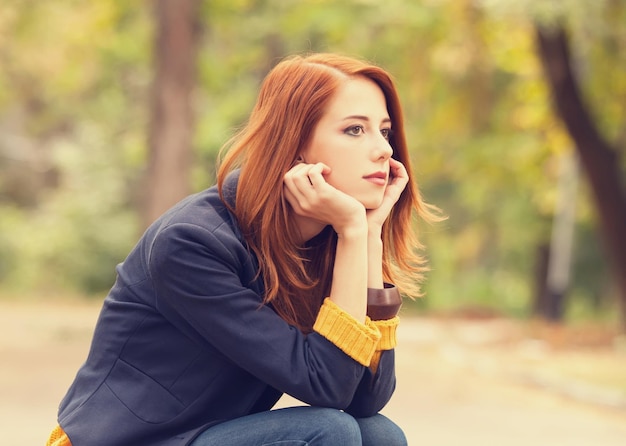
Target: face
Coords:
[[352, 138]]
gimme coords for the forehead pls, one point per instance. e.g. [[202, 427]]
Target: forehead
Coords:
[[358, 96]]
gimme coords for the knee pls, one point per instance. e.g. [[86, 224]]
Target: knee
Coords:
[[337, 426], [379, 429]]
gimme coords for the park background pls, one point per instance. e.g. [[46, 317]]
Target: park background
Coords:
[[515, 111]]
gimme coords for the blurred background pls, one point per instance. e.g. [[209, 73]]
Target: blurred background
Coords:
[[111, 111]]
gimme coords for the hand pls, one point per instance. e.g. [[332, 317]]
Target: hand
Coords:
[[311, 196], [398, 179]]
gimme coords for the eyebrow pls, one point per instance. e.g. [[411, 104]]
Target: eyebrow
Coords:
[[364, 118]]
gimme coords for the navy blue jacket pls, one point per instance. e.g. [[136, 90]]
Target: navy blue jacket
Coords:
[[183, 342]]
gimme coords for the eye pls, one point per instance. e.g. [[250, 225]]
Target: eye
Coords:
[[386, 133], [354, 130]]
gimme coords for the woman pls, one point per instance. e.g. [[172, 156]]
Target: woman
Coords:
[[259, 286]]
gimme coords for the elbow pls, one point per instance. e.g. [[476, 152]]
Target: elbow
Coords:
[[335, 399], [363, 411]]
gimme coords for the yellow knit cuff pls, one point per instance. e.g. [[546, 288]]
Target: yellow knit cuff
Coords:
[[356, 340], [58, 438], [387, 328]]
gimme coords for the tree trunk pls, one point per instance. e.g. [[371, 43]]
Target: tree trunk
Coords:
[[171, 114], [599, 160], [542, 260], [554, 260]]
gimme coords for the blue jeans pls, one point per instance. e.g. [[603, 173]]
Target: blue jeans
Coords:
[[303, 426]]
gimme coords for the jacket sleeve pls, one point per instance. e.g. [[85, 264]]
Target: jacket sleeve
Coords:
[[379, 380], [197, 277]]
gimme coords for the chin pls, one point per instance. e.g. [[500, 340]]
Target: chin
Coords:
[[371, 204]]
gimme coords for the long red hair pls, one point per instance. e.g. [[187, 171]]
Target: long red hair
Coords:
[[292, 99]]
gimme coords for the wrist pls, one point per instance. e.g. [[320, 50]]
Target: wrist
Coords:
[[374, 243], [357, 228], [374, 231]]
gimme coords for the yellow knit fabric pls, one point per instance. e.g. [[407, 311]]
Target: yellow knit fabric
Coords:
[[387, 328], [58, 438], [387, 341], [357, 340]]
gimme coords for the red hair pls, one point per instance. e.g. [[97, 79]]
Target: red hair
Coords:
[[292, 99]]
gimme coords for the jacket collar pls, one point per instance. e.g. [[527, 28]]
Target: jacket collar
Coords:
[[229, 188]]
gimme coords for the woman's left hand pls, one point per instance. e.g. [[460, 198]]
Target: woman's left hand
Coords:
[[398, 179]]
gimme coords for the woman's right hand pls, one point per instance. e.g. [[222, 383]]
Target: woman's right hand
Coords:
[[311, 196]]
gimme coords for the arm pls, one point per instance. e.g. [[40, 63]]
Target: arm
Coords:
[[374, 259], [314, 201], [355, 268], [379, 381], [381, 295], [202, 282], [398, 179]]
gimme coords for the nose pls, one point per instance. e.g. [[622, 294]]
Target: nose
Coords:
[[382, 149]]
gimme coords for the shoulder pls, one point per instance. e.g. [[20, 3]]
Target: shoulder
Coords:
[[198, 222], [198, 241], [204, 211]]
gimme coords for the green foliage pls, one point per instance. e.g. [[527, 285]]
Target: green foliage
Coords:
[[74, 102], [80, 230], [73, 116]]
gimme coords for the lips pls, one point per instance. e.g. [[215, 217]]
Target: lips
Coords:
[[379, 178]]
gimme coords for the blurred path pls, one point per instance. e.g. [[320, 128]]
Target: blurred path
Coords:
[[474, 384], [458, 383]]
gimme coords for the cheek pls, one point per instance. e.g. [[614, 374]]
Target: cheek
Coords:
[[342, 178], [333, 152], [322, 155], [315, 153]]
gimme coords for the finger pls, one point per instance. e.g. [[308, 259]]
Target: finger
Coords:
[[291, 199], [296, 187], [298, 182], [397, 169], [316, 175], [296, 176], [291, 187]]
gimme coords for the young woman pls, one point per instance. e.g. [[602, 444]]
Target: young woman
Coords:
[[276, 280]]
